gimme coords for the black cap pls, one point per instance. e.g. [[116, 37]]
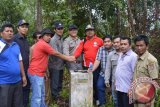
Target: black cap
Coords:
[[72, 27], [46, 31], [58, 25], [22, 22]]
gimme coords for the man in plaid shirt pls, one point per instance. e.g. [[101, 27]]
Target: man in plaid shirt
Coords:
[[101, 59]]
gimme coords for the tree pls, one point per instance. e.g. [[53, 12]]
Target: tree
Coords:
[[39, 19]]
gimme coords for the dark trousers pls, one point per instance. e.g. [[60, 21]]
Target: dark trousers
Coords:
[[11, 95], [123, 100], [56, 82], [26, 92]]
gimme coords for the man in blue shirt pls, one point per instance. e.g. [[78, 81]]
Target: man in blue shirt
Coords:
[[12, 75], [21, 39], [124, 72]]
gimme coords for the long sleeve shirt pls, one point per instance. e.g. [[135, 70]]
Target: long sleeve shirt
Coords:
[[89, 49], [54, 62], [111, 66], [24, 48], [125, 70]]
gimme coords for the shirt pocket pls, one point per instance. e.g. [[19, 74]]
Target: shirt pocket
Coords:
[[114, 62], [143, 70], [71, 44]]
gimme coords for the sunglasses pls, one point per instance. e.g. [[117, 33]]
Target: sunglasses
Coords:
[[60, 28]]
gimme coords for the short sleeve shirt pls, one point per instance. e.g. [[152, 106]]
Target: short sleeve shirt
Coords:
[[146, 66], [9, 64], [39, 60]]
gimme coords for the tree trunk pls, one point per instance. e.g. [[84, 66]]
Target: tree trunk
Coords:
[[117, 21], [144, 16], [157, 15], [89, 13], [38, 15], [130, 18]]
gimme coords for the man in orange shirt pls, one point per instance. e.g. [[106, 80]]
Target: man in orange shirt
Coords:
[[38, 67], [89, 47]]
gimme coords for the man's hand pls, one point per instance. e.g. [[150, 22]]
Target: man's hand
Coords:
[[71, 58], [24, 81], [107, 85], [89, 70], [46, 77]]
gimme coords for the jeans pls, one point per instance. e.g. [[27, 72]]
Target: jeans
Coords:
[[114, 95], [101, 90], [38, 91]]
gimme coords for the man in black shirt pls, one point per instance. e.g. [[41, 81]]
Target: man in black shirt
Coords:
[[21, 39]]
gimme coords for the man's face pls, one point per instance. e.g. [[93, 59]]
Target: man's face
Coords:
[[23, 29], [116, 43], [59, 31], [141, 47], [90, 32], [73, 32], [7, 34], [47, 37], [125, 45], [107, 43]]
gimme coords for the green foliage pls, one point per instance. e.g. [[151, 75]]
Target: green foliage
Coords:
[[154, 47], [9, 11]]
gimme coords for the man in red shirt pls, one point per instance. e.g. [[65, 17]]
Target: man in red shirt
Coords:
[[38, 66], [89, 47]]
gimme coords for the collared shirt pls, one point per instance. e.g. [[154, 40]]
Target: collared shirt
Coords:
[[39, 60], [146, 66], [24, 48], [89, 48], [9, 64], [69, 46], [102, 56], [125, 70], [54, 62], [111, 65]]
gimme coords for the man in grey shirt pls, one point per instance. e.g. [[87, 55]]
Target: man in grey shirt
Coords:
[[111, 67], [56, 64], [69, 46]]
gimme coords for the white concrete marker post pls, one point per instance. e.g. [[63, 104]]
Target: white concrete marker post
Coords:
[[81, 89]]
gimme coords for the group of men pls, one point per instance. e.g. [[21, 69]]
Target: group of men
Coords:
[[121, 66], [115, 64]]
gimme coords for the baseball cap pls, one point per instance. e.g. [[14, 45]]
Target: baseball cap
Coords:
[[22, 22], [58, 25], [88, 27], [72, 26], [46, 31]]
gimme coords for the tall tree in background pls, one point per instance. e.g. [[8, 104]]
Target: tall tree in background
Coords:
[[144, 16], [39, 19], [130, 18]]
